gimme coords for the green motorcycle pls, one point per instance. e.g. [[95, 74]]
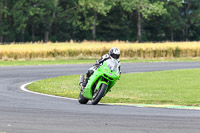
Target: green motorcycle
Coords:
[[100, 82]]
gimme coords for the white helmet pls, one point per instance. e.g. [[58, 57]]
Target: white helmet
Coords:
[[114, 53]]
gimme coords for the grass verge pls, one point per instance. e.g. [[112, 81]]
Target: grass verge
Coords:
[[177, 87], [46, 62], [84, 61]]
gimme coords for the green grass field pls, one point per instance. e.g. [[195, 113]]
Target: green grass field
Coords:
[[83, 61], [177, 87], [46, 62]]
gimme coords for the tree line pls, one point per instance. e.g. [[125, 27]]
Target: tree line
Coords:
[[103, 20]]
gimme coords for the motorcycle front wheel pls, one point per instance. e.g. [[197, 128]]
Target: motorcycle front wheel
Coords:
[[99, 94], [82, 99]]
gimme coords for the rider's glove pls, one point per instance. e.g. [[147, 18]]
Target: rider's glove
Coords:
[[97, 64]]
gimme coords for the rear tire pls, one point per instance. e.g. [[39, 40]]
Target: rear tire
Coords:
[[82, 99], [99, 94]]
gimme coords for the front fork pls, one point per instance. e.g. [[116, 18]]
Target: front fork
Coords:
[[99, 85]]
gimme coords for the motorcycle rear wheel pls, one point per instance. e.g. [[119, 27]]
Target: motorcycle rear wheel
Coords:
[[100, 93]]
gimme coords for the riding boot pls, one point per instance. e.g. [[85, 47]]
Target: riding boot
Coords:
[[88, 74]]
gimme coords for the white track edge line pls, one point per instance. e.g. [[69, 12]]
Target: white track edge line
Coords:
[[23, 88]]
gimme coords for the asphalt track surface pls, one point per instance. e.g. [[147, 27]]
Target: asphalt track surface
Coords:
[[23, 112]]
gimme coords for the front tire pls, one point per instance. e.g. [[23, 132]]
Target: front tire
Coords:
[[82, 99], [99, 94]]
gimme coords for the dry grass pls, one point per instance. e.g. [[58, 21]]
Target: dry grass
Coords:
[[88, 50]]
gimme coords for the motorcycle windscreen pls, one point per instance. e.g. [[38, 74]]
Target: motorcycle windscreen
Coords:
[[113, 64]]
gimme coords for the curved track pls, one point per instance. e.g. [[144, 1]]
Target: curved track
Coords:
[[22, 112]]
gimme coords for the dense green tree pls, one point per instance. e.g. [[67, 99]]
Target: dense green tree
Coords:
[[190, 14], [173, 20], [132, 20], [195, 22], [4, 18], [167, 26], [50, 10], [144, 9], [24, 16], [68, 21], [116, 25], [97, 6]]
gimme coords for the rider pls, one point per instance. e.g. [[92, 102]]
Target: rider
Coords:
[[113, 53]]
